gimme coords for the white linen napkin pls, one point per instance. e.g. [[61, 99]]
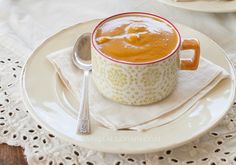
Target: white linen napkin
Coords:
[[191, 86]]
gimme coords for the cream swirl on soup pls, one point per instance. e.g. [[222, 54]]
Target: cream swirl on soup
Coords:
[[136, 38]]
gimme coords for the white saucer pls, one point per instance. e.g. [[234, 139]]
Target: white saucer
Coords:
[[53, 107], [204, 6]]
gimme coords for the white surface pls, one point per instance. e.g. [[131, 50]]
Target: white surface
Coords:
[[26, 19], [214, 6], [49, 103], [24, 24]]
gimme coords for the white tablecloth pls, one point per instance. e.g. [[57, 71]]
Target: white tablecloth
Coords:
[[26, 23]]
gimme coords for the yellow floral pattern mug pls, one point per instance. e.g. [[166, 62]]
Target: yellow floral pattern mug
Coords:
[[140, 83]]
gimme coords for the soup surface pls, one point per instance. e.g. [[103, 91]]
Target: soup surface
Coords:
[[136, 38]]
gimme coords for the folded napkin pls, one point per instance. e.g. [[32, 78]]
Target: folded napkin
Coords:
[[191, 86]]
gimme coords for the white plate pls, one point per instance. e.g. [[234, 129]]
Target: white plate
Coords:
[[53, 107], [204, 6]]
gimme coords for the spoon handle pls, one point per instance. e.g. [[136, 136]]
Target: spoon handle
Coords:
[[83, 126]]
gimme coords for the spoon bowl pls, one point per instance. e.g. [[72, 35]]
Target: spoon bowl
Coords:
[[82, 52]]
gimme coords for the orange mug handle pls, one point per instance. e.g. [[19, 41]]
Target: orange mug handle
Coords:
[[190, 63]]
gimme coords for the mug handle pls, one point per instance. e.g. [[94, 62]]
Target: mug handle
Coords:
[[190, 63]]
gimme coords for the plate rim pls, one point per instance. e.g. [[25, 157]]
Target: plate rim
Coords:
[[211, 10], [29, 106]]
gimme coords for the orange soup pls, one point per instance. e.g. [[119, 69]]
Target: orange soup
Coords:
[[136, 38]]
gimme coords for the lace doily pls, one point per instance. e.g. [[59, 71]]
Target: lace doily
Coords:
[[42, 148]]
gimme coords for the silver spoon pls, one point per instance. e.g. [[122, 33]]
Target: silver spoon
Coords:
[[81, 57]]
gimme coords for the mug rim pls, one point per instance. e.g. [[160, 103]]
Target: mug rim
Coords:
[[136, 63]]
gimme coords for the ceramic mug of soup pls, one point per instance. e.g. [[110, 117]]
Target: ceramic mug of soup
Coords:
[[135, 57]]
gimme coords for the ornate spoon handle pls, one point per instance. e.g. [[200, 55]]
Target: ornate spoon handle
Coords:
[[83, 126]]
